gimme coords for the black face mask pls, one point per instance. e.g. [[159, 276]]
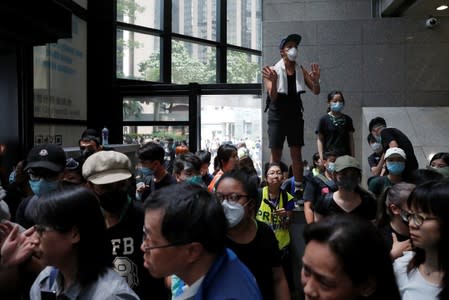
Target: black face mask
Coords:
[[113, 201], [87, 152], [348, 183]]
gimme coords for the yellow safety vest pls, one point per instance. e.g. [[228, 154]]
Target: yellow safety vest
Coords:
[[265, 215]]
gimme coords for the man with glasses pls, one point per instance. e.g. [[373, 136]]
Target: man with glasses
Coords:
[[108, 175], [184, 234]]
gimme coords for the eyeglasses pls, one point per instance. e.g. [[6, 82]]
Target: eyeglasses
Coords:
[[418, 219], [230, 197], [40, 229], [149, 248]]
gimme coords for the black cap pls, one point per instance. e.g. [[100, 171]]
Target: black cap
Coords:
[[291, 37], [376, 122], [49, 156]]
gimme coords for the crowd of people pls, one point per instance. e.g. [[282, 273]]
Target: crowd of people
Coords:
[[98, 226]]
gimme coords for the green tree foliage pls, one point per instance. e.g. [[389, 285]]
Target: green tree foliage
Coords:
[[132, 109]]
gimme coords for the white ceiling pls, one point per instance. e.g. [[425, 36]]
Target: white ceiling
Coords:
[[426, 8]]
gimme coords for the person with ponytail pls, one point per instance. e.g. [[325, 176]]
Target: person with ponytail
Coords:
[[335, 129]]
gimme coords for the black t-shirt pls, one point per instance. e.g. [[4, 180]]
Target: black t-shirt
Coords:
[[336, 132], [387, 232], [326, 206], [393, 134], [316, 188], [287, 106], [378, 184], [126, 238], [260, 256], [152, 185]]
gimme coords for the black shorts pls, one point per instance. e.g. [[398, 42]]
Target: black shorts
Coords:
[[292, 129]]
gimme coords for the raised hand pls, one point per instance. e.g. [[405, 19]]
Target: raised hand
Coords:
[[18, 246], [315, 73], [269, 74], [398, 248]]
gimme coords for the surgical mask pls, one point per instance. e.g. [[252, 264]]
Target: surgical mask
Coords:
[[337, 106], [234, 212], [376, 147], [42, 187], [292, 54], [395, 167], [330, 167], [198, 180], [348, 183], [12, 177], [378, 138], [146, 171]]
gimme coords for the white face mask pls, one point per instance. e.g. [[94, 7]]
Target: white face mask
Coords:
[[234, 212], [376, 147], [292, 54]]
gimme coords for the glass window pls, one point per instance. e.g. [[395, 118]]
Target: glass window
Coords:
[[195, 18], [243, 67], [235, 119], [244, 23], [145, 13], [193, 62], [157, 108], [144, 134], [82, 3], [138, 56], [60, 76], [63, 135]]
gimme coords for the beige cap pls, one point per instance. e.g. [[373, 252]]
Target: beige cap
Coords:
[[107, 167]]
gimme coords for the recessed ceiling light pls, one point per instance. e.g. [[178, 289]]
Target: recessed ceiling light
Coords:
[[442, 7]]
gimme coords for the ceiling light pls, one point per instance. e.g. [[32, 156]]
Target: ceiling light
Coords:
[[442, 7]]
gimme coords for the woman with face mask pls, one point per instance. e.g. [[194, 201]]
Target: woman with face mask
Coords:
[[335, 129], [350, 198], [253, 241], [392, 220], [440, 163], [395, 160]]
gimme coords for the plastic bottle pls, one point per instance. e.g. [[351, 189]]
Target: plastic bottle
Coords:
[[105, 136]]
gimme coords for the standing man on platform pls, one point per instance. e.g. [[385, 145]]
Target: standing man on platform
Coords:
[[285, 83]]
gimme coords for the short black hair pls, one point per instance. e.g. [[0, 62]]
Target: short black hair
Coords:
[[191, 214], [224, 153], [331, 95], [370, 138], [151, 151], [376, 122], [204, 156], [441, 155], [187, 161]]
